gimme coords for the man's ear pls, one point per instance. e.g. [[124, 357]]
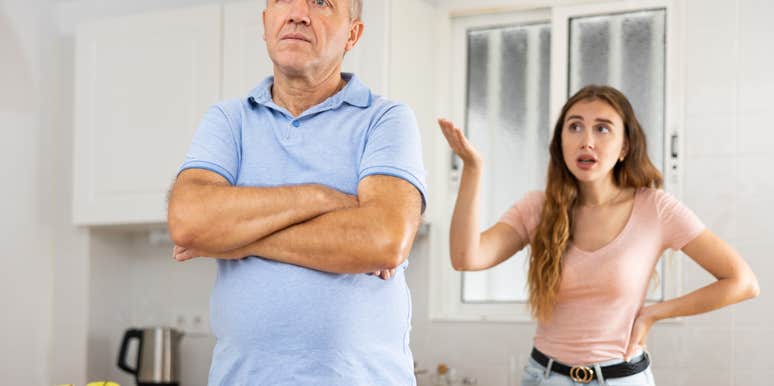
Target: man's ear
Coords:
[[263, 20], [355, 32]]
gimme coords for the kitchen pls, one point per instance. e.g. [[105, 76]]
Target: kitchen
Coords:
[[77, 275]]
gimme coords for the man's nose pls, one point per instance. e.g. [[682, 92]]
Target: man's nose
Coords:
[[299, 12]]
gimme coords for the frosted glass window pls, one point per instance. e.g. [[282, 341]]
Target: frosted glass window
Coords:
[[626, 51], [507, 119]]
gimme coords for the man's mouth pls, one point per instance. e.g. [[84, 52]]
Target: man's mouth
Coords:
[[296, 36]]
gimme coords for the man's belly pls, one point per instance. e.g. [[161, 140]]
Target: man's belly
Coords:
[[263, 305]]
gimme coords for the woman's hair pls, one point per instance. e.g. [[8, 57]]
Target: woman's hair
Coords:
[[554, 230]]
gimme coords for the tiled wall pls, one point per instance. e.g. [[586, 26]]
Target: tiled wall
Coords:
[[728, 181]]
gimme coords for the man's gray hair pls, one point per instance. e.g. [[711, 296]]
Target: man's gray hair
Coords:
[[355, 9]]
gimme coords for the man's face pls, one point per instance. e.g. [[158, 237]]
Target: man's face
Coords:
[[308, 36]]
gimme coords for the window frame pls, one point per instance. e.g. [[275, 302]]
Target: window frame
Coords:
[[446, 284]]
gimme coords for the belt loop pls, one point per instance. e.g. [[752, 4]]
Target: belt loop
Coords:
[[600, 378], [548, 368]]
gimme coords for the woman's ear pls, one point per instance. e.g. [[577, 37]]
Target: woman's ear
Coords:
[[624, 150]]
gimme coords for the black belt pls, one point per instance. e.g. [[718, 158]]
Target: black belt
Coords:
[[585, 374]]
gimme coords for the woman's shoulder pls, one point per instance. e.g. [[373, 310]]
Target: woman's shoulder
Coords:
[[533, 198], [660, 200], [656, 195], [528, 204]]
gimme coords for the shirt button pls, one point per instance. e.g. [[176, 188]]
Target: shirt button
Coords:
[[296, 123]]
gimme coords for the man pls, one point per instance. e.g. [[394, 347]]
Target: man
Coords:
[[297, 190]]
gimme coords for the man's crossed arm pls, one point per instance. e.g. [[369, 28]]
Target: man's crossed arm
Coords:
[[307, 225]]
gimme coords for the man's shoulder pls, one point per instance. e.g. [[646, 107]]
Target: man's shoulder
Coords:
[[381, 105], [232, 107], [228, 111]]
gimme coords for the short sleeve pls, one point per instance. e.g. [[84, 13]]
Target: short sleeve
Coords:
[[679, 225], [394, 148], [524, 215], [214, 146]]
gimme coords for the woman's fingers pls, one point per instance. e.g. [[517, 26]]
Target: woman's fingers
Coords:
[[453, 135]]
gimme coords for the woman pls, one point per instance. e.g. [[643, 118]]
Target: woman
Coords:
[[595, 236]]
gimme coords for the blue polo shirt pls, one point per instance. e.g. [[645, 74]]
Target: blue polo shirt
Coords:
[[281, 324]]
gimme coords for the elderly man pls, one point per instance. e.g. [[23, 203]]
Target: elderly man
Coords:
[[297, 190]]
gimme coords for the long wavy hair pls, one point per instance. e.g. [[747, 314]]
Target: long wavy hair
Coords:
[[561, 195]]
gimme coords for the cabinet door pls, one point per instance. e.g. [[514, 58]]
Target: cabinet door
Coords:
[[142, 84], [246, 62]]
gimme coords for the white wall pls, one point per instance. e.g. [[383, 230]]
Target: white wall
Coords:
[[44, 278], [25, 278]]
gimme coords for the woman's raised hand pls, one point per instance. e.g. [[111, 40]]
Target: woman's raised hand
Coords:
[[459, 144]]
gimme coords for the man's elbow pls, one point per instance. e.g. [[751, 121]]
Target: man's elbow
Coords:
[[180, 232], [183, 229], [459, 264], [391, 256], [752, 289], [394, 249]]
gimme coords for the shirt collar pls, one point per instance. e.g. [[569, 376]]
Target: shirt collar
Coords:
[[354, 93]]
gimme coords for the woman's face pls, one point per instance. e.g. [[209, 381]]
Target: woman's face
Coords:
[[593, 140]]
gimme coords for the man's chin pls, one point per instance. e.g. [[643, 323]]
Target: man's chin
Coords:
[[296, 65]]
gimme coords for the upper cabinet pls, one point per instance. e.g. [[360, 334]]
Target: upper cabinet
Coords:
[[142, 83]]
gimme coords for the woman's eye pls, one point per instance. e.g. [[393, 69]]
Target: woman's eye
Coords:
[[574, 127], [603, 129]]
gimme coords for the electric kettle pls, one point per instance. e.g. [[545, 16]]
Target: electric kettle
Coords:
[[157, 355]]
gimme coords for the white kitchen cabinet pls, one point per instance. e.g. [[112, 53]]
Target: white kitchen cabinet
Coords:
[[142, 83], [246, 62]]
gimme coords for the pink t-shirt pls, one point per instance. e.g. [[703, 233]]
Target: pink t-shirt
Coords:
[[601, 292]]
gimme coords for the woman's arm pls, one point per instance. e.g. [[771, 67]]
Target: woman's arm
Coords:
[[735, 282], [471, 250]]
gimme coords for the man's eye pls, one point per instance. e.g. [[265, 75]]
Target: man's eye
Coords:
[[320, 3]]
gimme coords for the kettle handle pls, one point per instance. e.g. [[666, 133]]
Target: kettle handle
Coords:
[[132, 333]]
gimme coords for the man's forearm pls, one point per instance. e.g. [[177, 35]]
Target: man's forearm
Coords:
[[221, 218], [357, 240]]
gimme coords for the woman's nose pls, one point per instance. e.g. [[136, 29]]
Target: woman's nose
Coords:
[[587, 140]]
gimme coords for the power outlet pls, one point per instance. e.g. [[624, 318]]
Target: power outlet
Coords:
[[192, 322]]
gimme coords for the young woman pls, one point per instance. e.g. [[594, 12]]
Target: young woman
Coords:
[[595, 236]]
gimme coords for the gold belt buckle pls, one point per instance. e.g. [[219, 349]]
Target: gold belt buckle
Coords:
[[581, 374]]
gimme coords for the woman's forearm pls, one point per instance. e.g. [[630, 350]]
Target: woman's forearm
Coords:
[[465, 232], [719, 294]]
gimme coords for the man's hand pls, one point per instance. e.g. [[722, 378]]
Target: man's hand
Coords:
[[384, 274], [184, 254]]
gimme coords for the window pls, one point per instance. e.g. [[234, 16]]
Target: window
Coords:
[[517, 71], [507, 112]]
